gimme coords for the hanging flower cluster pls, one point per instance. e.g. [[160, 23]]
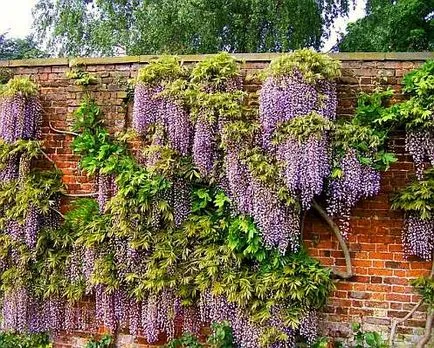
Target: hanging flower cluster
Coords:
[[297, 104], [417, 116], [27, 203], [152, 108], [20, 117], [416, 199], [303, 150], [20, 110], [359, 155], [297, 85], [224, 130], [205, 225], [418, 231]]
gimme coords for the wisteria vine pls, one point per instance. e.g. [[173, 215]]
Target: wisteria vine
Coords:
[[28, 204], [416, 199], [204, 225]]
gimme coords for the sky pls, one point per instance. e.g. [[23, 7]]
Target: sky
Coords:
[[16, 19]]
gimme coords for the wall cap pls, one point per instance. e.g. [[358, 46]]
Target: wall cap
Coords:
[[250, 57]]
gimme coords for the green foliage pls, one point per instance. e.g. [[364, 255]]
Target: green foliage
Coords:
[[15, 48], [420, 81], [273, 336], [303, 127], [225, 104], [417, 197], [372, 110], [323, 342], [40, 269], [367, 132], [38, 189], [244, 238], [312, 65], [139, 200], [211, 251], [267, 170], [19, 85], [193, 89], [215, 70], [105, 341], [13, 340], [416, 115], [221, 337], [81, 77], [425, 287], [165, 68], [187, 340], [416, 112], [28, 149], [135, 27], [214, 250], [5, 75], [392, 26], [367, 339], [98, 150]]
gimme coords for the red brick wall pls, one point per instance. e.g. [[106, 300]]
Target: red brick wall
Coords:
[[379, 290]]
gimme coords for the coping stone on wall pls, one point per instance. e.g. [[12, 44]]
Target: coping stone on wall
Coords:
[[250, 57]]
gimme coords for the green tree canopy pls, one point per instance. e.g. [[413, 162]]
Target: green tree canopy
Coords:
[[19, 48], [107, 27], [402, 25]]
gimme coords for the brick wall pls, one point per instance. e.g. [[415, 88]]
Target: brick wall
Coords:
[[379, 290]]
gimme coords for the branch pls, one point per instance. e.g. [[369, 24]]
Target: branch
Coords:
[[58, 212], [77, 195], [396, 322], [349, 269], [46, 156], [428, 325], [62, 131], [429, 318]]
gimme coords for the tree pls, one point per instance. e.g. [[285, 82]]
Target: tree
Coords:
[[402, 25], [19, 48], [108, 27]]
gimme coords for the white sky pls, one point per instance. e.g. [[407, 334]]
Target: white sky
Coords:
[[16, 18]]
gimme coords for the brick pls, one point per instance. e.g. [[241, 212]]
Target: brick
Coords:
[[359, 295]]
